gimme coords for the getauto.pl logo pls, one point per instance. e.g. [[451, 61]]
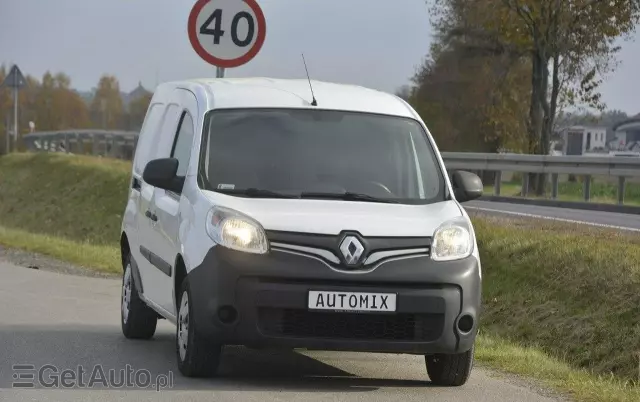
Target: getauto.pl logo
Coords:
[[50, 376]]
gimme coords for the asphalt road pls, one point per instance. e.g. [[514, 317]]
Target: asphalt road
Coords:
[[67, 321], [627, 222]]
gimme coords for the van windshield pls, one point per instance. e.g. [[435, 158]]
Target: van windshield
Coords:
[[316, 153]]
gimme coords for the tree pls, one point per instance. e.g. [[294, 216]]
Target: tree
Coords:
[[26, 104], [56, 106], [71, 110], [470, 100], [106, 108], [44, 104], [404, 92], [137, 111], [605, 119], [569, 44]]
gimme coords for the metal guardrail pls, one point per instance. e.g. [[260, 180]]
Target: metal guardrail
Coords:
[[115, 144], [121, 144], [587, 166]]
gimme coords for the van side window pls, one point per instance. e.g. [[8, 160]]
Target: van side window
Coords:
[[147, 136], [183, 143]]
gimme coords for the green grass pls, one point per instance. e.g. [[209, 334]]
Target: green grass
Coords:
[[601, 192], [67, 207], [561, 301], [574, 293], [103, 258], [552, 372], [76, 198]]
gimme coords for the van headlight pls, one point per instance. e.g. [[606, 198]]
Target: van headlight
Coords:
[[234, 230], [452, 241]]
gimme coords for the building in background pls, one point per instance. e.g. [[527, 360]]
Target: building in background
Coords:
[[580, 140], [626, 136]]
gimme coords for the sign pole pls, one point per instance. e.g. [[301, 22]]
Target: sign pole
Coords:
[[219, 72], [15, 117]]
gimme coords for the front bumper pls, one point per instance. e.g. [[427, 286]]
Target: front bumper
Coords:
[[261, 301]]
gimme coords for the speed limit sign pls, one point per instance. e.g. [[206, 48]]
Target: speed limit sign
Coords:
[[227, 33]]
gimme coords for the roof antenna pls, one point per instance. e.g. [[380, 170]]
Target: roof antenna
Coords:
[[314, 102]]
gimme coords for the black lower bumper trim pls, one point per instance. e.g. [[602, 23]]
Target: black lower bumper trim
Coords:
[[299, 323]]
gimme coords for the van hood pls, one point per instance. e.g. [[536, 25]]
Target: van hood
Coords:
[[334, 216]]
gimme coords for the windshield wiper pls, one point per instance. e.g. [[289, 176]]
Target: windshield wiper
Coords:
[[255, 193], [347, 196]]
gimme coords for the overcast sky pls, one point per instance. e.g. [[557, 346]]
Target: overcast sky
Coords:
[[376, 43]]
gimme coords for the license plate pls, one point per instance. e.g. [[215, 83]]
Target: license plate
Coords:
[[351, 301]]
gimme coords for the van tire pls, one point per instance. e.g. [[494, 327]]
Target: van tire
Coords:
[[197, 356], [450, 370], [138, 321]]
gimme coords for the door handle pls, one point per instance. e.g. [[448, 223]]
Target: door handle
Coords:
[[151, 216]]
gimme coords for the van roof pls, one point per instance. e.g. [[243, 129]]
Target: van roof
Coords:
[[259, 92]]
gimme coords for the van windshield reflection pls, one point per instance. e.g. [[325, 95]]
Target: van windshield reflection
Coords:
[[300, 153]]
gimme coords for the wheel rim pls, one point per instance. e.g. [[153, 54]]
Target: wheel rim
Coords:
[[183, 325], [126, 294]]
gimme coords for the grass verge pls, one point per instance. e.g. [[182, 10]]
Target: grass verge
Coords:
[[554, 373], [561, 301], [103, 258], [601, 192], [73, 197], [573, 293]]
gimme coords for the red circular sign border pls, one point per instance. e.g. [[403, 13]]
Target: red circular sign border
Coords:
[[224, 63]]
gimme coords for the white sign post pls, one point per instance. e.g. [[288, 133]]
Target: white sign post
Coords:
[[14, 80], [226, 33]]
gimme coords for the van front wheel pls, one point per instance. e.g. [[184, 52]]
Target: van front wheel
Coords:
[[197, 356], [451, 370]]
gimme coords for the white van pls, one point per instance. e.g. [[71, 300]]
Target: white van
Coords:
[[259, 215]]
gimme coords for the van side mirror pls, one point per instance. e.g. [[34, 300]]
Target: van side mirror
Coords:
[[466, 185], [161, 173]]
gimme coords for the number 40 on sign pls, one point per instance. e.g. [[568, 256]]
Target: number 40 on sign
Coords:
[[227, 33]]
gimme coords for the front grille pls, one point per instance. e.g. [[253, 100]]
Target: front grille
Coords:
[[362, 326]]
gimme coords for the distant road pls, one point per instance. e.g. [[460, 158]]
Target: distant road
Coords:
[[70, 321], [627, 222]]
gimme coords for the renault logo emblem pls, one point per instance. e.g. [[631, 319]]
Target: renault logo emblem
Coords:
[[351, 249]]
